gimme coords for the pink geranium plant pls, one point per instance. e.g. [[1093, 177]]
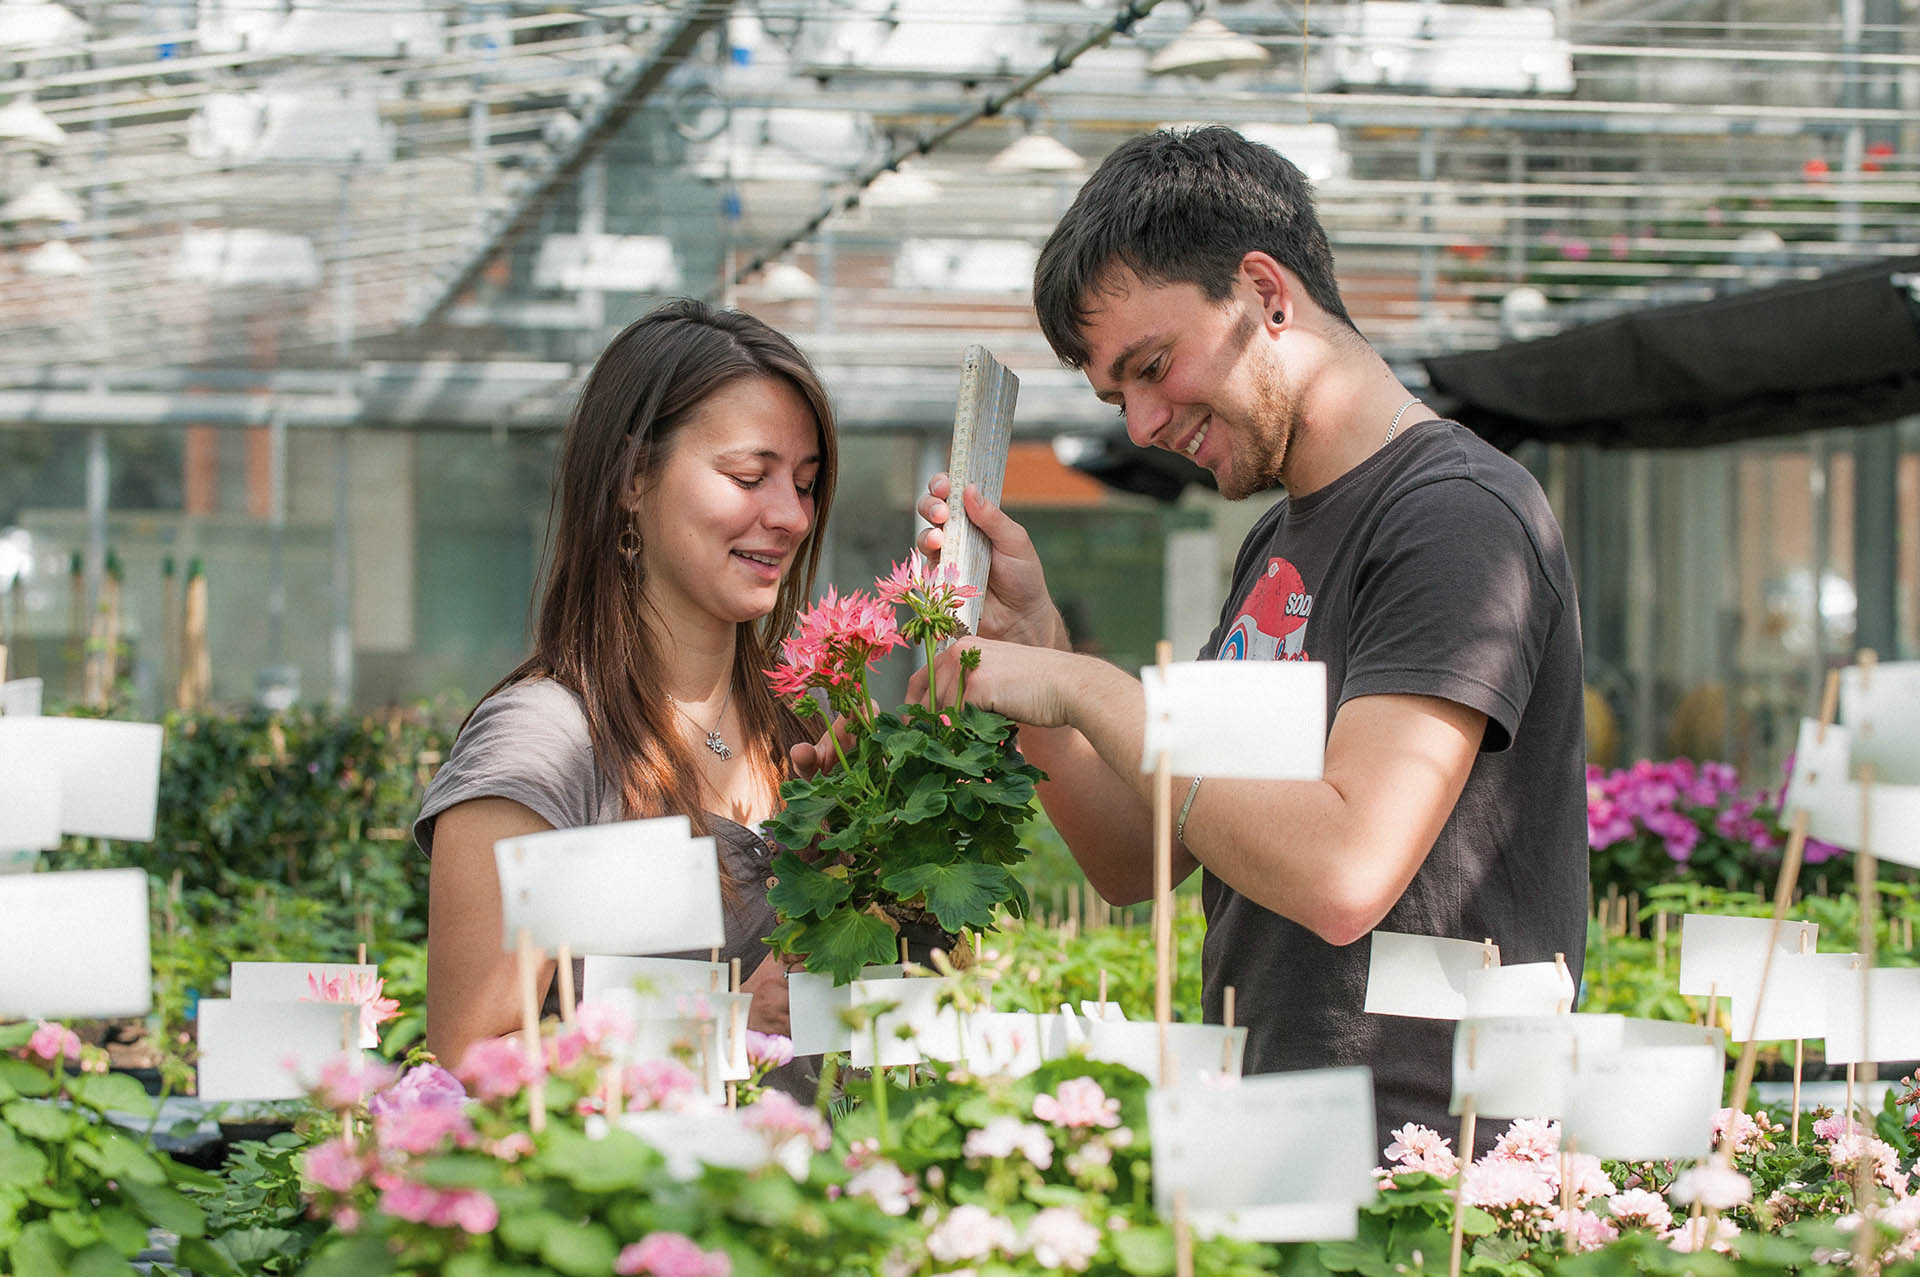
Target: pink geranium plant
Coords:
[[919, 820]]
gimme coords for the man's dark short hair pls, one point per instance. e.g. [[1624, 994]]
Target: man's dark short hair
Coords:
[[1180, 208]]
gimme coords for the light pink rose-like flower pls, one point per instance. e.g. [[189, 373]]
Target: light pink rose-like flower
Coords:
[[1584, 1229], [471, 1210], [1079, 1103], [1849, 1149], [970, 1232], [512, 1147], [602, 1024], [1586, 1178], [52, 1041], [494, 1068], [467, 1209], [671, 1255], [337, 1166], [1531, 1139], [768, 1050], [1744, 1132], [780, 1117], [1695, 1235], [660, 1084], [1713, 1185], [423, 1130], [565, 1049], [1060, 1237], [1419, 1148], [350, 1077], [891, 1189], [347, 1219], [1004, 1136], [1831, 1127], [1639, 1207], [422, 1086], [1501, 1183]]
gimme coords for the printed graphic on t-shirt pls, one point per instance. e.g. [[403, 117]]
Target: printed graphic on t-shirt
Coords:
[[1272, 625]]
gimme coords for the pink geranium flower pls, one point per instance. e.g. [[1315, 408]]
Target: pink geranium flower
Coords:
[[780, 1117], [671, 1255], [468, 1209], [1079, 1103], [422, 1086], [1419, 1148], [356, 987], [768, 1050], [337, 1166], [423, 1130], [350, 1077], [52, 1041], [495, 1067]]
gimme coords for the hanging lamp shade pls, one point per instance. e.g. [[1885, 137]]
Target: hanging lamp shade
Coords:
[[34, 24], [42, 202], [1207, 48], [785, 282], [56, 259], [22, 121], [1036, 153]]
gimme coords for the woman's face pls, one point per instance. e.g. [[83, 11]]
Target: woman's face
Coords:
[[730, 505]]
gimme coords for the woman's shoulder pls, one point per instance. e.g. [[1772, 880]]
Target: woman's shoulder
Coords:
[[539, 707]]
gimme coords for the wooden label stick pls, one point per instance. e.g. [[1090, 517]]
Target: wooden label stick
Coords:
[[1467, 1123], [1103, 992], [1182, 1236], [1163, 898], [1226, 1043], [530, 1031], [564, 973]]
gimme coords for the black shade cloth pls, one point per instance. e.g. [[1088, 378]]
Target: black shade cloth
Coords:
[[1840, 350]]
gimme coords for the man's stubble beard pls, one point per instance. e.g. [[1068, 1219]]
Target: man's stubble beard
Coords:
[[1258, 444]]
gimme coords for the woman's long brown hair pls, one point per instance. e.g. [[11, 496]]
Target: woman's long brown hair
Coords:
[[592, 632]]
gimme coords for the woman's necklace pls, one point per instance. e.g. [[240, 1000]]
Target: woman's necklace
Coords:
[[715, 741]]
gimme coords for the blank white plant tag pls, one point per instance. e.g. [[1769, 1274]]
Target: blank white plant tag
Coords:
[[1202, 1053], [914, 1031], [269, 1050], [1014, 1043], [75, 944], [1101, 1010], [639, 886], [1891, 1029], [1525, 988], [297, 982], [1250, 1155], [1424, 976], [1821, 785], [691, 1041], [1257, 720], [1881, 709], [814, 1004], [714, 1137], [651, 975], [1721, 956], [21, 696], [1513, 1066], [1795, 1002], [1647, 1103], [109, 771], [29, 796]]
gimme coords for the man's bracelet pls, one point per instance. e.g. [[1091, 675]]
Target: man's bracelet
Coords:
[[1180, 825]]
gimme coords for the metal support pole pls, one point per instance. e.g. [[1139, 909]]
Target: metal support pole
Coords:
[[277, 541], [1429, 255], [97, 481], [340, 690]]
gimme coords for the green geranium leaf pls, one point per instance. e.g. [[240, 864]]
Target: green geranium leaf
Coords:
[[123, 1229], [15, 1036], [804, 891], [98, 1260], [39, 1121], [17, 1078], [580, 1250], [598, 1166], [198, 1255], [39, 1252], [1144, 1252], [76, 1230], [928, 798], [167, 1208], [21, 1164], [121, 1157], [111, 1092], [1005, 791], [350, 1255], [842, 943], [961, 895]]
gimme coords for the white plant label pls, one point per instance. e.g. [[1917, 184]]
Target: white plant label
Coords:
[[814, 1004], [1721, 956], [1645, 1103], [269, 1050], [1202, 1053], [1101, 1010], [303, 982], [75, 944], [1525, 988], [1014, 1043], [1881, 708], [1249, 1156], [1424, 976], [1262, 720], [714, 1137], [109, 771], [1513, 1066], [29, 796], [1823, 787], [21, 696], [1795, 1002], [639, 886], [914, 1030], [1634, 1033], [651, 975], [1873, 1015]]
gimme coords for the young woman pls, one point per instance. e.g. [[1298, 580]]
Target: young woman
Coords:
[[693, 487]]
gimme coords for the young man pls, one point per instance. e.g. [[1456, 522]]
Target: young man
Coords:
[[1192, 283]]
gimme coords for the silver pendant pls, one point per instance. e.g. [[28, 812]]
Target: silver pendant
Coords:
[[718, 746]]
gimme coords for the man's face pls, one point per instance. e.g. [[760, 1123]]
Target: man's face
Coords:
[[1194, 377]]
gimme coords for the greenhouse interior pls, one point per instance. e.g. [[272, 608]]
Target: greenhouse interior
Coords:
[[310, 313]]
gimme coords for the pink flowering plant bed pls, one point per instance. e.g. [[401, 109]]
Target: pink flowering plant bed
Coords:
[[919, 821]]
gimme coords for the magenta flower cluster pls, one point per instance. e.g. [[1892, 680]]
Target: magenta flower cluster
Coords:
[[1680, 802]]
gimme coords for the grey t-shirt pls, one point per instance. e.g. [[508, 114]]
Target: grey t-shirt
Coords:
[[529, 743], [1435, 567]]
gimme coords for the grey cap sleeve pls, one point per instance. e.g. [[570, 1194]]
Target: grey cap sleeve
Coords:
[[527, 743]]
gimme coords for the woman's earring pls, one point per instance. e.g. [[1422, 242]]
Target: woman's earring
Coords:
[[629, 544]]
